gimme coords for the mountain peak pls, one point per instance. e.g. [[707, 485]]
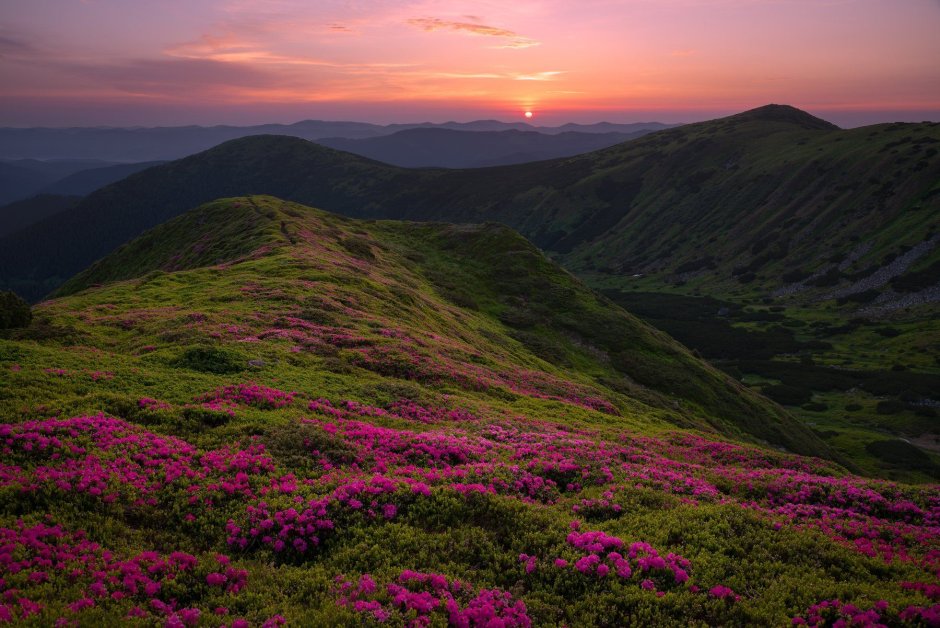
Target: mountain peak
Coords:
[[786, 114]]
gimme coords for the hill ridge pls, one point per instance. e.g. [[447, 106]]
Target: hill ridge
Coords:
[[542, 306], [786, 114]]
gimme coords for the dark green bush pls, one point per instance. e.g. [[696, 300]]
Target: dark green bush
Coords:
[[359, 247], [14, 311], [788, 395], [866, 296], [889, 406], [209, 360], [900, 453], [206, 417], [815, 406]]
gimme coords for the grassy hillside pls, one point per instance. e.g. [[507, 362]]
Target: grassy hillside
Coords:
[[321, 421], [493, 272]]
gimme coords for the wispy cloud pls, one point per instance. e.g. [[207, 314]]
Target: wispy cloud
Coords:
[[510, 76], [538, 76], [233, 49], [474, 27]]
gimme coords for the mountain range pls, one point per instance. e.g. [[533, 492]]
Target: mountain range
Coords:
[[766, 199], [444, 148], [164, 143], [23, 178]]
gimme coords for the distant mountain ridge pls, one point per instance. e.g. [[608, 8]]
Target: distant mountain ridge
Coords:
[[87, 181], [140, 144], [446, 148], [23, 178]]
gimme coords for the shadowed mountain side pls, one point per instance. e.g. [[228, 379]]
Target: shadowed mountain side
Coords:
[[23, 178], [762, 192], [86, 181], [20, 214]]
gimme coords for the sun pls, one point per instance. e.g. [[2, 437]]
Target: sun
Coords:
[[528, 114]]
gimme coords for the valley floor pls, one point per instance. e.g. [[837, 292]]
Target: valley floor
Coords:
[[868, 386]]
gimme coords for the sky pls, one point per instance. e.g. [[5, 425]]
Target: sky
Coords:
[[176, 62]]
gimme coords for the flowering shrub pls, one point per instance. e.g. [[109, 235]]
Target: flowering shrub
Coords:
[[834, 612], [838, 613], [246, 395], [111, 459], [608, 555], [422, 596], [87, 576]]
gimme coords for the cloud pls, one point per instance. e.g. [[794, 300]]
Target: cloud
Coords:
[[538, 76], [533, 76], [167, 75], [474, 27], [232, 49], [12, 46], [521, 42], [437, 24]]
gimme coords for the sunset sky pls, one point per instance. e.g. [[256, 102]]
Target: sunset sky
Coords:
[[168, 62]]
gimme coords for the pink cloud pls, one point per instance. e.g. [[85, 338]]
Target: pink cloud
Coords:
[[514, 40]]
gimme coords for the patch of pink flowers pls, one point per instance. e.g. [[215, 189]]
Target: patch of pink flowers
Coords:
[[33, 555], [253, 395], [606, 555], [839, 613], [424, 596], [111, 459], [146, 403]]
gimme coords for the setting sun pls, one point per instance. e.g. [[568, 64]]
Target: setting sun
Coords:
[[528, 114]]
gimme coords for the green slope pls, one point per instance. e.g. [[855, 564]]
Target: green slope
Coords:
[[487, 276], [261, 412]]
